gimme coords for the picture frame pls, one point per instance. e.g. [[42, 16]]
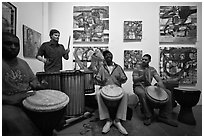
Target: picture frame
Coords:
[[132, 31], [31, 42], [131, 59], [9, 17]]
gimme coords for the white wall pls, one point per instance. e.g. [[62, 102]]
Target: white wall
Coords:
[[44, 16]]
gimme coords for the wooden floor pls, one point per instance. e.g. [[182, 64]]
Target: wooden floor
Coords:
[[135, 126]]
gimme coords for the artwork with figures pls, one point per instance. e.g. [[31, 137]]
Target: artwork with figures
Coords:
[[131, 59], [179, 63], [31, 42], [178, 24], [91, 24], [8, 17], [84, 54], [132, 30]]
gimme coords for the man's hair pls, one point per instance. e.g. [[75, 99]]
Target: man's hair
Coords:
[[147, 55], [5, 34], [53, 31], [106, 52]]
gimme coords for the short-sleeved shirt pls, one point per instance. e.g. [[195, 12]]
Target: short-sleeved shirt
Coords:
[[54, 53], [16, 78], [111, 77], [150, 72]]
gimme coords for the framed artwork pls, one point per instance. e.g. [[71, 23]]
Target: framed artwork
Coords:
[[178, 24], [84, 54], [131, 59], [9, 12], [179, 63], [31, 42], [132, 31], [91, 24]]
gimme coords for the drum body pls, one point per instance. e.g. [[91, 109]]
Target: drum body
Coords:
[[72, 83], [156, 96], [53, 79], [46, 109], [89, 82], [111, 95]]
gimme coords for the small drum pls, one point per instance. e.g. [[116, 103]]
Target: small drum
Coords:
[[89, 82], [46, 109], [53, 79], [111, 95], [72, 83], [156, 96]]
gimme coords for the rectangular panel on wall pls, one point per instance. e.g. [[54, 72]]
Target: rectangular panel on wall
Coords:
[[131, 59], [179, 63], [31, 42], [132, 31], [83, 56], [178, 24], [91, 24]]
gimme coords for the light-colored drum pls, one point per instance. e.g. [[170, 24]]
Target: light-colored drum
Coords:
[[156, 95], [46, 109], [112, 94]]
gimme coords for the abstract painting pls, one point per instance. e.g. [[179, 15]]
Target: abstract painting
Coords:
[[31, 42], [84, 54], [131, 59], [178, 24], [179, 63], [91, 24], [132, 30]]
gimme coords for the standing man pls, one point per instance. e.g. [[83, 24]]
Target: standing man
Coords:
[[53, 53], [142, 78]]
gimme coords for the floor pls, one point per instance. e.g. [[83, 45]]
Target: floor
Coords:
[[91, 126]]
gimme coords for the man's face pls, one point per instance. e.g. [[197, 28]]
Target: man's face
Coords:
[[55, 37], [108, 57], [145, 61], [10, 47]]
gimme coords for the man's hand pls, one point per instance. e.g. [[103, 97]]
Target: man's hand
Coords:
[[67, 50]]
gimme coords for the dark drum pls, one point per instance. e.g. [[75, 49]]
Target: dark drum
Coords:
[[46, 109], [89, 82]]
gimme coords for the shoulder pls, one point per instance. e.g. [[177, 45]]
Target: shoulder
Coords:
[[21, 61]]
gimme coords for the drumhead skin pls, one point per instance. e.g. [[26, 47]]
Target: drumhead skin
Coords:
[[157, 93], [112, 92], [186, 89], [46, 101]]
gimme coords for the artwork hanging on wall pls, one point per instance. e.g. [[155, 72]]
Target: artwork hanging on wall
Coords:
[[84, 54], [91, 24], [132, 31], [131, 59], [179, 63], [31, 42], [178, 24], [9, 17]]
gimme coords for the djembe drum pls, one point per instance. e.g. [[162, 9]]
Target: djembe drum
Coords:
[[156, 96], [52, 78], [46, 109]]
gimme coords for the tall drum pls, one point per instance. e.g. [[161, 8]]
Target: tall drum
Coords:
[[89, 82], [53, 79], [72, 83]]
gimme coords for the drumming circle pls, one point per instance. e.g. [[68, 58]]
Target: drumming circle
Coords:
[[46, 101], [112, 92], [156, 95]]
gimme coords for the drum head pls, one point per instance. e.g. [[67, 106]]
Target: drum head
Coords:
[[46, 101], [157, 93], [112, 92]]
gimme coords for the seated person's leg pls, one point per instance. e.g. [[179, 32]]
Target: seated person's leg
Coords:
[[16, 123]]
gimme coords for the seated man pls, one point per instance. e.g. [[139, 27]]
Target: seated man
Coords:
[[142, 77], [17, 80], [111, 73]]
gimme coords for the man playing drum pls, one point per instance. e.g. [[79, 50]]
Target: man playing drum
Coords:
[[142, 78], [111, 74]]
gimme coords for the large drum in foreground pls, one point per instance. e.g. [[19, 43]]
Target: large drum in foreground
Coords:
[[53, 79], [112, 95], [72, 83], [156, 96], [46, 109]]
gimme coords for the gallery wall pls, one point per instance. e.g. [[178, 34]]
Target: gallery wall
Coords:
[[59, 15]]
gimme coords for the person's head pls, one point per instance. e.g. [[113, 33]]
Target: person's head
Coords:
[[10, 45], [54, 35], [108, 56], [146, 59]]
